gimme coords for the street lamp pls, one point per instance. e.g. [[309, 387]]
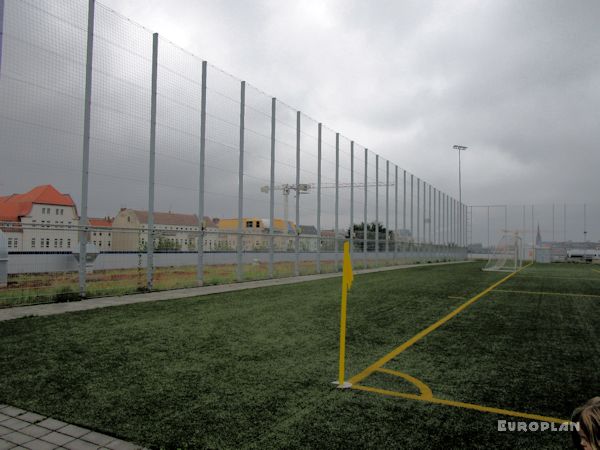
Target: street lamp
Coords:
[[459, 148]]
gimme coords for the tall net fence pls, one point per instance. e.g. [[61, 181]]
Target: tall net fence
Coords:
[[128, 164], [554, 230]]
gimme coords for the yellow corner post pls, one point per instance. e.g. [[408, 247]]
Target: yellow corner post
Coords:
[[347, 277]]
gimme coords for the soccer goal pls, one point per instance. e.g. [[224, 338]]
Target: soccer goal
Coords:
[[506, 256]]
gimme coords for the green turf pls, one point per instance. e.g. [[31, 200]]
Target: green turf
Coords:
[[251, 369]]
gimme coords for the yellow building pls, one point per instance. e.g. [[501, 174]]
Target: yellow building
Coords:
[[256, 233]]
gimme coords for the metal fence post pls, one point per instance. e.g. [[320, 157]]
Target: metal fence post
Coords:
[[337, 200], [396, 215], [488, 229], [564, 221], [404, 201], [297, 246], [553, 230], [430, 216], [365, 232], [201, 224], [83, 221], [351, 196], [272, 189], [319, 152], [376, 209], [2, 31], [151, 172], [418, 211], [387, 208], [412, 222], [240, 230]]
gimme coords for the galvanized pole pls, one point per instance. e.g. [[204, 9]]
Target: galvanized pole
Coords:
[[396, 213], [523, 240], [365, 233], [387, 208], [297, 246], [488, 229], [429, 207], [83, 221], [272, 190], [434, 216], [337, 199], [201, 225], [404, 202], [553, 236], [319, 198], [376, 209], [1, 31], [351, 196], [564, 222], [412, 197], [240, 230], [150, 247], [532, 235], [418, 210]]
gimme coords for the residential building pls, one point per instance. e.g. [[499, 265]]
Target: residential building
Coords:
[[101, 233], [41, 220], [173, 231], [257, 234]]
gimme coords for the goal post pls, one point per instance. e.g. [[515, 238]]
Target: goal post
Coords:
[[506, 255]]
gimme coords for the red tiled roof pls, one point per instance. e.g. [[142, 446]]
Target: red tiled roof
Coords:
[[15, 206], [100, 222]]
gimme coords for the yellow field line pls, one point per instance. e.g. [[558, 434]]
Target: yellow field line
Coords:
[[596, 270], [441, 401], [567, 294], [391, 355], [425, 390]]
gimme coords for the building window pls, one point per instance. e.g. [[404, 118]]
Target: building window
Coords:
[[47, 243], [257, 224], [60, 243], [57, 213], [32, 242], [55, 243], [9, 242], [248, 224], [69, 243]]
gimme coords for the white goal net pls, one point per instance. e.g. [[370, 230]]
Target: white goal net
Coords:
[[506, 256]]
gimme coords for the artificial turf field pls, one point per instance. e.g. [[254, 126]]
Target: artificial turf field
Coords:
[[252, 369]]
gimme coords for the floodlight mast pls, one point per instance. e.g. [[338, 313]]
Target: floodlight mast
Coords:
[[459, 148]]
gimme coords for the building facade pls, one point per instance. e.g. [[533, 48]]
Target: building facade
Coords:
[[173, 231], [41, 220]]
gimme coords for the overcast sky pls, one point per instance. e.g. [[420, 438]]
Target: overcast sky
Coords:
[[516, 81]]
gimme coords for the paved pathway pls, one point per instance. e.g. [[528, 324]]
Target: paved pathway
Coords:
[[20, 429], [50, 309]]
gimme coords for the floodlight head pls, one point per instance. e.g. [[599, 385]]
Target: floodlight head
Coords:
[[460, 147]]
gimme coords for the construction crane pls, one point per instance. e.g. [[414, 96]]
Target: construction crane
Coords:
[[305, 188]]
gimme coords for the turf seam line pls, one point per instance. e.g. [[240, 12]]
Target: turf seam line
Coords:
[[391, 355]]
